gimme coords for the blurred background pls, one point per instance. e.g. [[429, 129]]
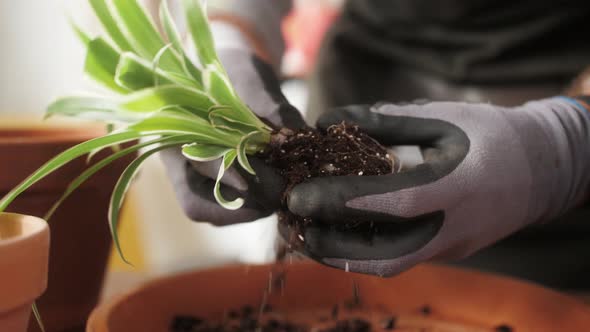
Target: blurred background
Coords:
[[41, 59]]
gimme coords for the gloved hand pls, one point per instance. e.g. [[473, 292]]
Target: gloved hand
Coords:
[[193, 182], [488, 171]]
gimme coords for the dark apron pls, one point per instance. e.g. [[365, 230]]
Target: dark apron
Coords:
[[363, 62]]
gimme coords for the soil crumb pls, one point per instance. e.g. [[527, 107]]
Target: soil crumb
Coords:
[[308, 153]]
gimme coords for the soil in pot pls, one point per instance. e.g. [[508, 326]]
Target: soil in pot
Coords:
[[344, 317], [308, 153]]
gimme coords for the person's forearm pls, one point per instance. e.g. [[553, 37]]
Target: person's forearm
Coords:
[[258, 20]]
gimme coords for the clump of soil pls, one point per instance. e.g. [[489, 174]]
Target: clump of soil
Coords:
[[247, 319], [244, 320], [300, 156], [323, 319], [309, 153]]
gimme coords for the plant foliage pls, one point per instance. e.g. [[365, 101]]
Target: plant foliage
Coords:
[[161, 100]]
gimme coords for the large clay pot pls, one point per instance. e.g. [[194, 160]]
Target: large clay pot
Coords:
[[80, 232], [24, 253], [457, 298]]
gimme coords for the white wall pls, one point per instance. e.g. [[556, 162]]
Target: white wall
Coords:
[[40, 58]]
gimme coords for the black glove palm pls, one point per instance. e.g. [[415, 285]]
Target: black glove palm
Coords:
[[193, 182]]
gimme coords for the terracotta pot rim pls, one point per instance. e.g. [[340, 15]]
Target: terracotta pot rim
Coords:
[[496, 310], [48, 133], [35, 226], [24, 256]]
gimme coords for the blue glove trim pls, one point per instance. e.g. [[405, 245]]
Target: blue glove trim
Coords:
[[575, 102]]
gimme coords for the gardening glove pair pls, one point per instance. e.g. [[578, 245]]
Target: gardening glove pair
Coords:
[[488, 171], [256, 83]]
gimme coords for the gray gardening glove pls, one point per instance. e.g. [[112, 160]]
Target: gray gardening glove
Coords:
[[488, 171], [256, 83]]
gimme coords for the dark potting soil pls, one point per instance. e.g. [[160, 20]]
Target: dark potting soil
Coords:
[[309, 153], [343, 319], [247, 319], [503, 328]]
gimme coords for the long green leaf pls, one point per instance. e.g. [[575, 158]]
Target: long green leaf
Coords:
[[153, 99], [121, 189], [103, 13], [177, 124], [168, 111], [176, 111], [174, 38], [182, 114], [81, 34], [135, 73], [204, 152], [37, 316], [90, 108], [80, 179], [192, 70], [142, 33], [198, 25], [219, 86], [101, 64], [221, 117], [228, 160], [170, 27], [156, 61], [242, 158], [65, 157]]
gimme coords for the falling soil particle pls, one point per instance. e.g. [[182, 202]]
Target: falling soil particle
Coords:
[[503, 328]]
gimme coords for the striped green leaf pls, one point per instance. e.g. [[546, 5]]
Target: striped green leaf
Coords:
[[204, 152], [242, 149], [201, 132], [135, 74], [67, 156], [228, 160], [101, 9], [121, 189], [101, 64], [90, 108], [89, 172], [82, 35], [198, 26], [222, 117], [153, 99], [142, 33], [170, 27]]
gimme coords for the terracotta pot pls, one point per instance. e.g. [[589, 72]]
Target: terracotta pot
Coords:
[[24, 253], [458, 297], [80, 232]]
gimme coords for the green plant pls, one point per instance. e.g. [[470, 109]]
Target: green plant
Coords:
[[164, 100]]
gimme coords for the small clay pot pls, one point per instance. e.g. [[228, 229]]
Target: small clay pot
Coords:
[[79, 228], [24, 256], [455, 299]]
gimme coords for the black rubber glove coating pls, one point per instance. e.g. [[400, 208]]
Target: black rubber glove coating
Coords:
[[443, 145], [257, 85]]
